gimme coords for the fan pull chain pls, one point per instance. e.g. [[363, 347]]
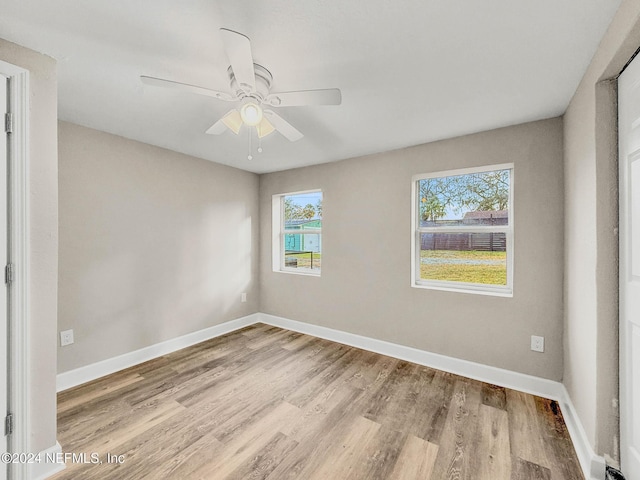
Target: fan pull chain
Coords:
[[249, 156]]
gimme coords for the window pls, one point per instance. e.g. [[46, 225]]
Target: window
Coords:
[[297, 232], [462, 234]]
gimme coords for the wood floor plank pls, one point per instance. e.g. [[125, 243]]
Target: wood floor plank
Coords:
[[348, 459], [316, 430], [317, 418], [244, 446], [435, 398], [297, 343], [107, 443], [388, 402], [557, 441], [494, 396], [382, 453], [400, 403], [243, 368], [108, 398], [416, 460], [281, 337], [191, 458], [525, 432], [492, 455], [117, 383], [523, 470], [267, 403], [457, 441], [153, 453], [228, 351], [325, 373], [265, 460]]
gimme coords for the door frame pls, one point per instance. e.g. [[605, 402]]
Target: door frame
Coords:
[[18, 297]]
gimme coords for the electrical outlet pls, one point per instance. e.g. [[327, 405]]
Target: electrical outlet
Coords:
[[537, 343], [66, 337], [243, 297]]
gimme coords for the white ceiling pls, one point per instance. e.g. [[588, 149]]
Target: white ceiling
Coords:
[[410, 71]]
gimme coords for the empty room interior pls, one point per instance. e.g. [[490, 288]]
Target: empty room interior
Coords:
[[321, 240]]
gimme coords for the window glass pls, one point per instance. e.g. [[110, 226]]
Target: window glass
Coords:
[[301, 232], [464, 257], [464, 230], [470, 199]]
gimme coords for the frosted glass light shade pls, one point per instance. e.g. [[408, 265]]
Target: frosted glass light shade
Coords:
[[251, 114]]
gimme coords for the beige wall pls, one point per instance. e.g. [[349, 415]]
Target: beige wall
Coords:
[[591, 287], [153, 244], [43, 223], [365, 283]]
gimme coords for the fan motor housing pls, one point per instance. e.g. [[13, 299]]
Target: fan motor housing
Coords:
[[263, 84]]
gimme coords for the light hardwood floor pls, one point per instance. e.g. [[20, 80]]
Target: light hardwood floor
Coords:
[[267, 403]]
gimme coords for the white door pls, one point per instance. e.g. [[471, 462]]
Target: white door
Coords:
[[629, 180], [3, 261]]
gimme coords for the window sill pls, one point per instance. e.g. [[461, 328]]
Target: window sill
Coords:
[[305, 273], [472, 289]]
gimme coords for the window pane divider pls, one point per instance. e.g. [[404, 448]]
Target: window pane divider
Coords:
[[302, 232], [469, 229]]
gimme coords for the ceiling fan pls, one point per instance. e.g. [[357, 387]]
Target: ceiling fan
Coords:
[[250, 86]]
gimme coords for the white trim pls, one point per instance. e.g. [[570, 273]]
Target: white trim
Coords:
[[306, 272], [462, 287], [278, 232], [276, 214], [19, 315], [473, 229], [463, 171], [593, 466], [96, 370], [416, 231], [44, 469], [307, 231], [628, 153]]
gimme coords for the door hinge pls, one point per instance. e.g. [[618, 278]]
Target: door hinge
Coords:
[[8, 424], [8, 123], [8, 273]]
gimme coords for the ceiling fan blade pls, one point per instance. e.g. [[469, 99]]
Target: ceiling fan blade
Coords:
[[238, 48], [327, 96], [185, 87], [217, 128], [285, 128], [230, 120]]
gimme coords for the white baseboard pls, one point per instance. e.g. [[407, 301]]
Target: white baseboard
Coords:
[[96, 370], [593, 466], [48, 464]]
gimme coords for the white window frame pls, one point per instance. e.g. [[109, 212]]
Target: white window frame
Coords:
[[417, 230], [278, 233]]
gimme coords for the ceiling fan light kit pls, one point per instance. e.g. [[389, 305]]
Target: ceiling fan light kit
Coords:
[[250, 112], [264, 128], [250, 85], [232, 120]]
